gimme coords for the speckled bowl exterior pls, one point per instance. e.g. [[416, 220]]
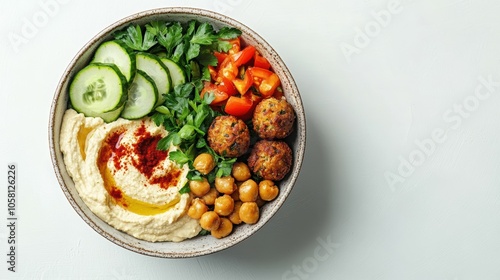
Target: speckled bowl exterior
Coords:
[[200, 245]]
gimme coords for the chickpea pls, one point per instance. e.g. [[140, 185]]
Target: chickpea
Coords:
[[249, 212], [204, 163], [225, 228], [224, 205], [236, 194], [197, 208], [240, 171], [210, 221], [235, 216], [268, 190], [248, 191], [225, 184], [199, 188], [210, 197]]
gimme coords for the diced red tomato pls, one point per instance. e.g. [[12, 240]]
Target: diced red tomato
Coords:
[[220, 57], [228, 69], [227, 86], [239, 106], [213, 72], [268, 86], [243, 85], [220, 96], [243, 56], [265, 80], [255, 100], [261, 73], [232, 80], [261, 62], [235, 45]]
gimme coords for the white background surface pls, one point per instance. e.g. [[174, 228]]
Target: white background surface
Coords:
[[367, 110]]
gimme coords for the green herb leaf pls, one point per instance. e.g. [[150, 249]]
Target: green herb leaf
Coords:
[[164, 110], [204, 35], [185, 189], [193, 51], [194, 175], [164, 143], [204, 232], [187, 132], [191, 28], [170, 37], [179, 157], [195, 70], [201, 115], [178, 52], [149, 41], [156, 27], [222, 46], [224, 167], [228, 33], [158, 118], [207, 58], [133, 38]]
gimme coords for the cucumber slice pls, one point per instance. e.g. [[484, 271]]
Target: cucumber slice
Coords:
[[116, 52], [176, 73], [155, 69], [142, 94], [98, 88], [113, 115]]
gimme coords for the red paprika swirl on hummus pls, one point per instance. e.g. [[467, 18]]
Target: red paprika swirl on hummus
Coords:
[[115, 157]]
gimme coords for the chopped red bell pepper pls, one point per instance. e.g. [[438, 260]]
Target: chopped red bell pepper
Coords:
[[228, 69], [219, 95], [235, 45], [265, 80], [243, 85], [220, 57], [227, 86], [213, 72], [238, 106], [260, 61], [243, 56], [268, 86]]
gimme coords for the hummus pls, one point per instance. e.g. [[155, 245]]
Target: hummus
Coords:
[[124, 179]]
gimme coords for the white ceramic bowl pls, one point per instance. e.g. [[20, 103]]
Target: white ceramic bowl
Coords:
[[199, 245]]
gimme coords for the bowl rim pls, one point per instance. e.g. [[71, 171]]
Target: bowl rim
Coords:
[[59, 168]]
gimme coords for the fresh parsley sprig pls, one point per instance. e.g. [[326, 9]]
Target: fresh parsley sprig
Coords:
[[133, 37]]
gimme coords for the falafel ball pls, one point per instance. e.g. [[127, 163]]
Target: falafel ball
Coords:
[[228, 136], [270, 159], [273, 118]]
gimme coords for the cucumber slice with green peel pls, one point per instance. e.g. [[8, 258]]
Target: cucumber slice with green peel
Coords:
[[112, 115], [154, 68], [176, 73], [98, 88], [142, 95], [116, 52]]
